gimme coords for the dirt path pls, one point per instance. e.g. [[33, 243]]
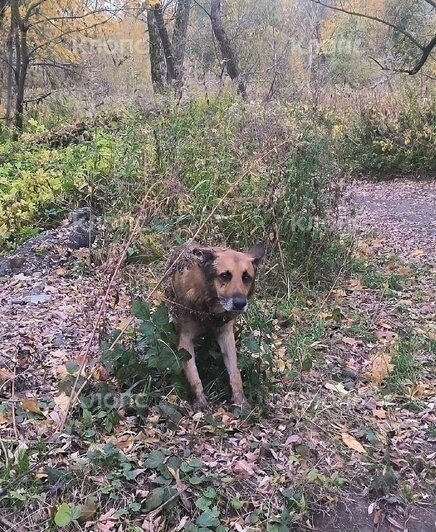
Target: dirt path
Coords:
[[396, 225], [402, 212]]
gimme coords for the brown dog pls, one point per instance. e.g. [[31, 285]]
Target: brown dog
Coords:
[[207, 289]]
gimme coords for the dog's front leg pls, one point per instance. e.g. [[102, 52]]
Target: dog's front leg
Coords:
[[186, 342], [226, 341]]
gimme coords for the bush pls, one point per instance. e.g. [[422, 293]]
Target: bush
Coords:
[[147, 367], [181, 162], [388, 141]]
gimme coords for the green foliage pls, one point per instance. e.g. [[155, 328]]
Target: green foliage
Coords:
[[407, 367], [147, 366], [389, 141], [184, 160]]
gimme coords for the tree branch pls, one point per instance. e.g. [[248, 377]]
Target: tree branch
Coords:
[[433, 4], [425, 49], [371, 17]]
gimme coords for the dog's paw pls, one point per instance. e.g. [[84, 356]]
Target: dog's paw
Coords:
[[240, 401], [200, 404]]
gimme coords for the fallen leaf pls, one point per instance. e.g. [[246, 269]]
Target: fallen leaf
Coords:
[[338, 387], [351, 341], [355, 284], [87, 510], [385, 336], [243, 468], [106, 521], [5, 375], [4, 417], [31, 405], [380, 414], [417, 253], [62, 402], [352, 443], [381, 367]]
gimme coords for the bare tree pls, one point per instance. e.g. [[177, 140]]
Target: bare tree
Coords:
[[24, 52], [157, 58], [425, 49], [227, 52], [179, 35], [173, 50], [166, 43]]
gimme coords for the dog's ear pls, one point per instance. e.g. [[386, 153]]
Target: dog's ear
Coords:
[[205, 255], [256, 253]]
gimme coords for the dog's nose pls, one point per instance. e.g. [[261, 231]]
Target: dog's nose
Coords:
[[239, 302]]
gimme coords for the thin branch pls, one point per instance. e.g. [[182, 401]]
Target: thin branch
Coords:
[[62, 66], [38, 98], [425, 49], [70, 32], [371, 17], [411, 71], [433, 4], [45, 19]]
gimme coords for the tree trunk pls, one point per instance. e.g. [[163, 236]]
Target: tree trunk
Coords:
[[157, 59], [3, 5], [22, 61], [10, 76], [179, 36], [227, 52], [166, 44]]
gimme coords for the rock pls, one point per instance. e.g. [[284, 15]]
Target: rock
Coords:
[[44, 252], [34, 299]]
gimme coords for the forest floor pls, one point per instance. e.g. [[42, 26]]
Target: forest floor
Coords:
[[348, 443]]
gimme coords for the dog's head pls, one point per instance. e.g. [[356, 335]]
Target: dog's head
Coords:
[[229, 276]]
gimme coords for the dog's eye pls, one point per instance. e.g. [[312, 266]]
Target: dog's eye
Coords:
[[246, 278], [225, 277]]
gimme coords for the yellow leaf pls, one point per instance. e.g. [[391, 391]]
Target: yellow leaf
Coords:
[[62, 403], [338, 387], [381, 367], [355, 284], [4, 417], [31, 405], [87, 510], [352, 443]]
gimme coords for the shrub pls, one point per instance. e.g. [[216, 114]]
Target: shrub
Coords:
[[387, 141], [147, 367], [181, 161]]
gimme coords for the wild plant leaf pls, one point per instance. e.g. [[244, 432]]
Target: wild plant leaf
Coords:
[[72, 367], [210, 493], [155, 459], [208, 518], [160, 316], [63, 516], [169, 412], [251, 343], [158, 496], [236, 503], [202, 503], [141, 309], [155, 499]]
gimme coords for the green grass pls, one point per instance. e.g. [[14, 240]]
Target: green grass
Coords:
[[407, 365]]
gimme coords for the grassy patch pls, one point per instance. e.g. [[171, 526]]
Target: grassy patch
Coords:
[[407, 365]]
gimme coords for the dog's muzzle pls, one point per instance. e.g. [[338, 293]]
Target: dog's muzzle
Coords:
[[235, 304]]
